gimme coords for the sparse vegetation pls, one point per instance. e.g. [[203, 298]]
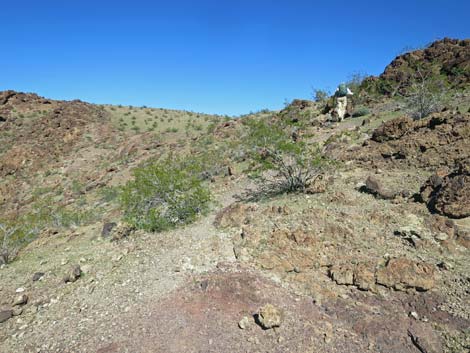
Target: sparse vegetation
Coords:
[[46, 212]]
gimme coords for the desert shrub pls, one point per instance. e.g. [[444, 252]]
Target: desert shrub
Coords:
[[164, 194], [282, 164], [424, 95], [360, 111], [355, 84], [320, 95]]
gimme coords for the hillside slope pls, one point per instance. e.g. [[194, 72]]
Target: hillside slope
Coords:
[[372, 256]]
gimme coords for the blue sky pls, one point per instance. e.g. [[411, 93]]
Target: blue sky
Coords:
[[226, 57]]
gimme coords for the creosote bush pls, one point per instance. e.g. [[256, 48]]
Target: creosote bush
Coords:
[[283, 164], [165, 194]]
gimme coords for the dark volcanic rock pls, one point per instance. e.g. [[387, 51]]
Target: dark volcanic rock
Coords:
[[440, 140], [393, 129], [37, 276], [107, 228], [449, 196]]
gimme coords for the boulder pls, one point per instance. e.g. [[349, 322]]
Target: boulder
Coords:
[[21, 299], [343, 275], [37, 276], [393, 129], [374, 187]]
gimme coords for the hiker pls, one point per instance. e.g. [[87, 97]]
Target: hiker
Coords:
[[341, 102]]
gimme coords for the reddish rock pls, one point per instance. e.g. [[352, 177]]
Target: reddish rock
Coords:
[[449, 196]]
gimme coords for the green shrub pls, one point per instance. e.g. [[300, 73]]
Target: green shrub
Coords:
[[291, 166], [360, 111], [164, 195], [320, 95]]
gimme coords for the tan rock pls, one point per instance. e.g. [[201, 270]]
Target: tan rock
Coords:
[[342, 275], [21, 299], [269, 317], [402, 274], [73, 274], [122, 230]]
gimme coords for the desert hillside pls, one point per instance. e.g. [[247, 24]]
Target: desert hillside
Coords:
[[139, 229]]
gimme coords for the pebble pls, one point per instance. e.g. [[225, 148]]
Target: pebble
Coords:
[[20, 290], [414, 315], [37, 276], [21, 299], [244, 323], [442, 237], [17, 311]]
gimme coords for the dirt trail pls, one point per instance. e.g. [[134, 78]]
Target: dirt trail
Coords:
[[119, 282]]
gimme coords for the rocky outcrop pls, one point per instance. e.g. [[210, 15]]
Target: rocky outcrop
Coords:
[[447, 57], [403, 273], [440, 140]]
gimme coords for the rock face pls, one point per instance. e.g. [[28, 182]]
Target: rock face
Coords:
[[449, 196], [402, 274], [269, 317]]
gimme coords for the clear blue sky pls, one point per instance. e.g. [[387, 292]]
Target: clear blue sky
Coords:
[[226, 57]]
